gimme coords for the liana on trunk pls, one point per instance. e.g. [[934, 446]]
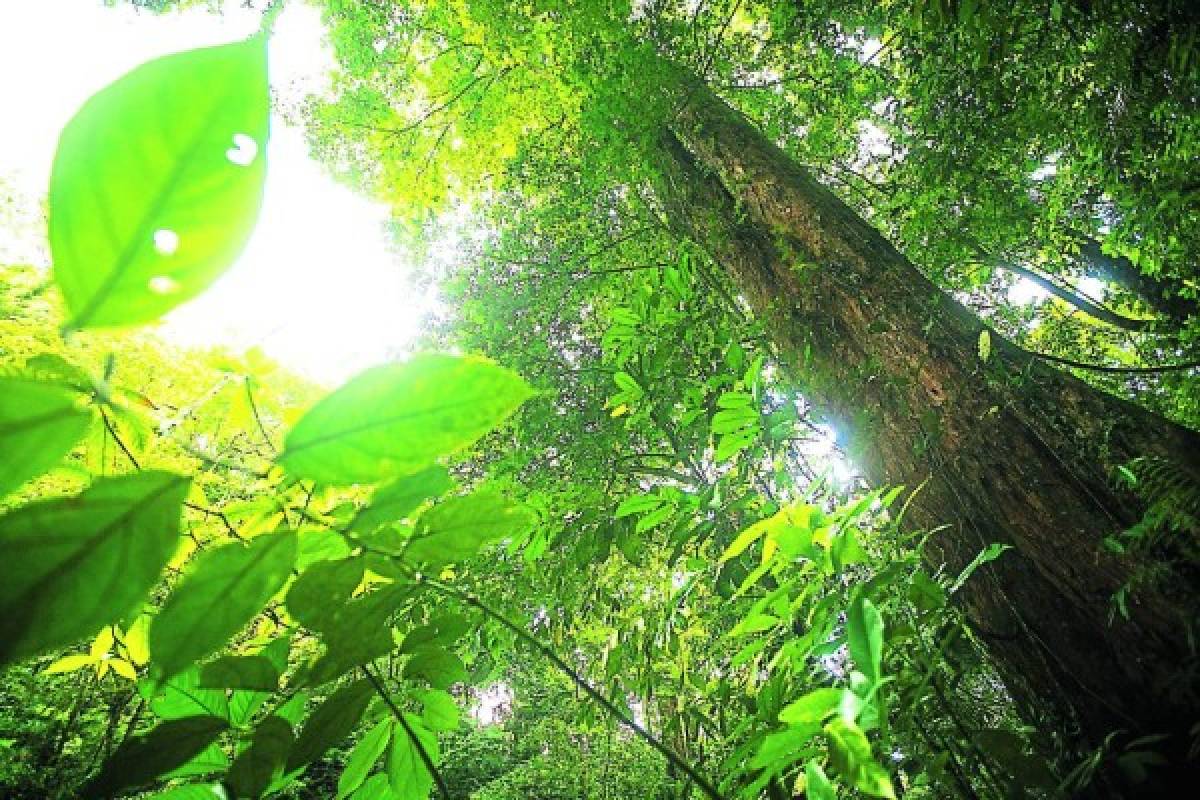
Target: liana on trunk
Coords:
[[1009, 450]]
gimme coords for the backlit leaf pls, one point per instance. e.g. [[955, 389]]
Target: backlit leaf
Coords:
[[221, 593], [39, 424], [363, 757], [397, 418], [70, 566], [157, 183], [454, 530]]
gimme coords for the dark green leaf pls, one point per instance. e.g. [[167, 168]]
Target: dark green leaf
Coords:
[[157, 183], [454, 530], [39, 424], [143, 758], [396, 419], [321, 590], [70, 566], [260, 764], [221, 593], [331, 723], [240, 672], [437, 665]]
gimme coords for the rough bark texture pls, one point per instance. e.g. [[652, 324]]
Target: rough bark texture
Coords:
[[1012, 451]]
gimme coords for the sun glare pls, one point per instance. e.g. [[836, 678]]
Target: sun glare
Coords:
[[318, 287]]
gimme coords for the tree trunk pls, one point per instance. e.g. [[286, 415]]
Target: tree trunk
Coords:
[[1010, 450]]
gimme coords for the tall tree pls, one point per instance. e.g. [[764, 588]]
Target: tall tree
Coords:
[[1006, 449]]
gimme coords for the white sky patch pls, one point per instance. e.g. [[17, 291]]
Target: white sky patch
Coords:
[[317, 287], [1024, 291], [493, 704]]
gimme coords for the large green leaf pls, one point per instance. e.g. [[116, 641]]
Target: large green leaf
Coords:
[[218, 596], [455, 529], [406, 771], [864, 633], [399, 498], [240, 672], [182, 696], [39, 424], [157, 183], [363, 757], [397, 418], [332, 722], [260, 764], [143, 758], [70, 566], [316, 597]]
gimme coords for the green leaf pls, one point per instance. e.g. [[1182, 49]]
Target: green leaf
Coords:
[[221, 593], [39, 424], [332, 722], [438, 710], [850, 753], [261, 764], [375, 788], [989, 553], [240, 672], [314, 599], [817, 785], [812, 708], [455, 529], [864, 634], [181, 696], [406, 772], [189, 793], [437, 665], [363, 757], [157, 183], [143, 758], [638, 504], [401, 497], [359, 632], [396, 419], [70, 566], [985, 345]]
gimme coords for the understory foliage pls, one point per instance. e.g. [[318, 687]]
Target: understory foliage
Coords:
[[615, 511]]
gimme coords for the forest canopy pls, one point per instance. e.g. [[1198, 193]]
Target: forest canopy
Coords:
[[813, 414]]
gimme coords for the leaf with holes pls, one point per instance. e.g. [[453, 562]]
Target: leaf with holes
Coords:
[[395, 419], [72, 565], [39, 424], [222, 592], [157, 183]]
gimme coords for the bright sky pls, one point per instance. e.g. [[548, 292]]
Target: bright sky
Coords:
[[318, 287]]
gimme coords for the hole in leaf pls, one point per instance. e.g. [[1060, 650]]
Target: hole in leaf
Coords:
[[163, 284], [166, 241], [243, 151]]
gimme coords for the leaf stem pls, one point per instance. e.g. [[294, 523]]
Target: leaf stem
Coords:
[[426, 759]]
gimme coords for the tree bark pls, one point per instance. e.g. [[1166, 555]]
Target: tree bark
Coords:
[[1009, 450]]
